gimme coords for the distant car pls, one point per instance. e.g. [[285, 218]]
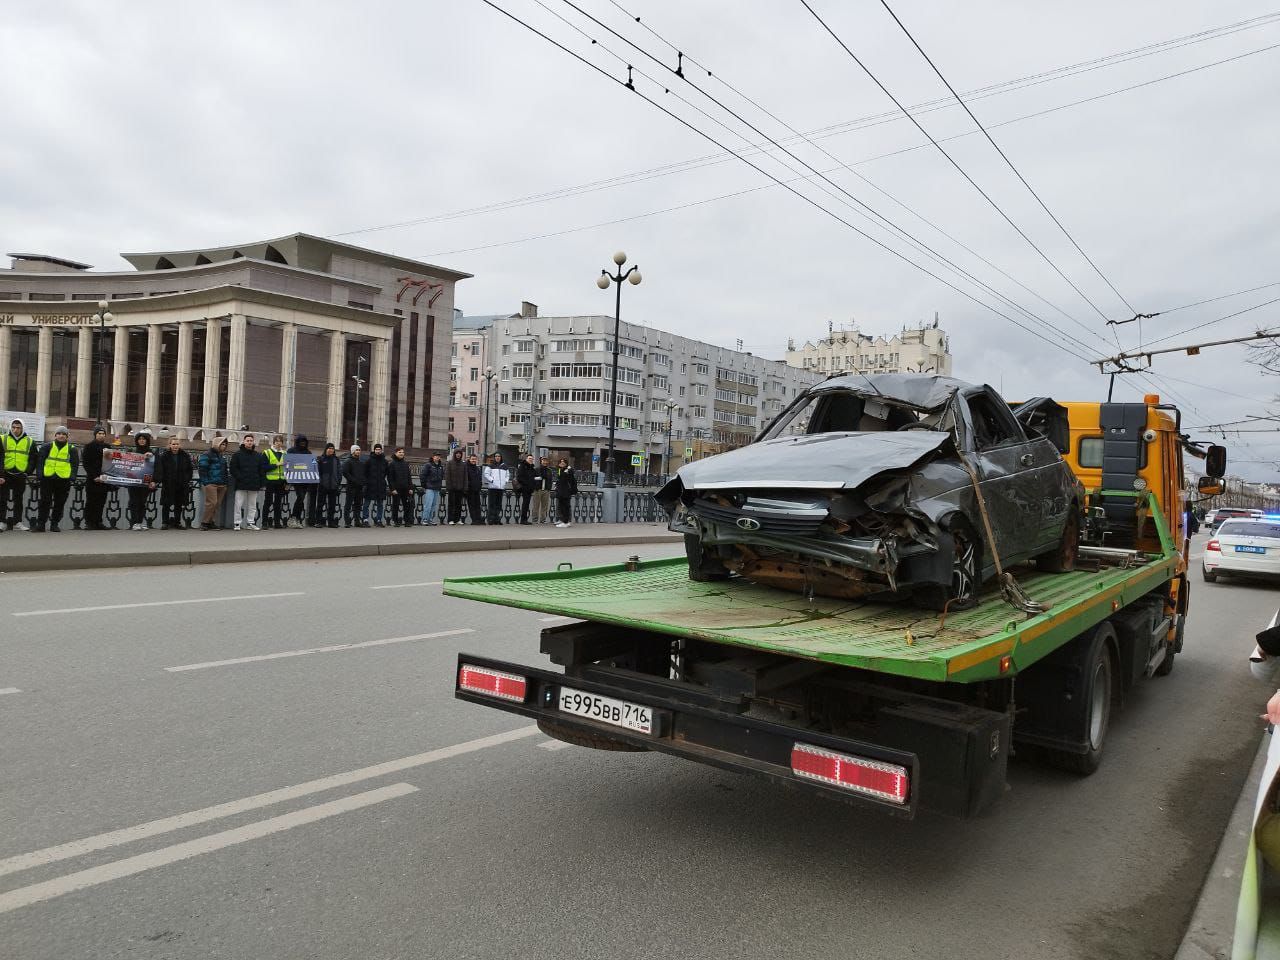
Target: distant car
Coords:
[[1243, 546], [863, 485], [1208, 518], [1228, 513]]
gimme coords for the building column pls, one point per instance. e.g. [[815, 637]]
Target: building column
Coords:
[[182, 399], [337, 373], [151, 398], [212, 373], [120, 373], [6, 362], [380, 392], [288, 374], [84, 371], [44, 369], [235, 372]]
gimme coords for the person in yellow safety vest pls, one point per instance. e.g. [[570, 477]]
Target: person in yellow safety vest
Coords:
[[59, 461], [275, 516], [19, 463]]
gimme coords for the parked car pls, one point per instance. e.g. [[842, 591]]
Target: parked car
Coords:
[[1223, 514], [1243, 545], [868, 483]]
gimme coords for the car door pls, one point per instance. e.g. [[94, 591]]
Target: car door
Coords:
[[1009, 467]]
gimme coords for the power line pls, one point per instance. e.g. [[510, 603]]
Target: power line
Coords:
[[1210, 323], [995, 206], [1197, 303], [788, 187]]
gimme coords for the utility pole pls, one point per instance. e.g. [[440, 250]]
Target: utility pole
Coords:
[[355, 429], [1190, 349], [603, 281]]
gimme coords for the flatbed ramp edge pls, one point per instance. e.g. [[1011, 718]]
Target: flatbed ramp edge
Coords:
[[991, 640]]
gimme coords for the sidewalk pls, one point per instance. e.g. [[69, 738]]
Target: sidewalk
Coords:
[[72, 550]]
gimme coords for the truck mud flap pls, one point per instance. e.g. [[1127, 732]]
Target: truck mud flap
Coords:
[[972, 755]]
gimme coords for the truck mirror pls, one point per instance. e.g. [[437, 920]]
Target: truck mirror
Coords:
[[1215, 461], [1209, 486]]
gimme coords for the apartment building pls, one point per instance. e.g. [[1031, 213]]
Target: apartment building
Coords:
[[924, 349]]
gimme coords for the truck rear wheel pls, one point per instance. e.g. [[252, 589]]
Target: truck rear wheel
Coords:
[[704, 564], [1099, 691], [585, 738]]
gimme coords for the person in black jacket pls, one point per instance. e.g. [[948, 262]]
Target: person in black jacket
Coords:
[[431, 476], [330, 469], [174, 470], [356, 472], [375, 488], [304, 494], [525, 483], [455, 485], [475, 481], [566, 487], [400, 485], [248, 474], [138, 495], [95, 491]]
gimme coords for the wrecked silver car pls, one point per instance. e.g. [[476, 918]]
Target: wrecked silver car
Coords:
[[915, 484]]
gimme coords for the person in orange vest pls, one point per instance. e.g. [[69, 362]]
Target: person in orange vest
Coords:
[[58, 463]]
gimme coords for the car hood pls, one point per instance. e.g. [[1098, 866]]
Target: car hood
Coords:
[[818, 461]]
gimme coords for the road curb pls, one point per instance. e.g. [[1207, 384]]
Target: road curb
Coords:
[[162, 558], [1213, 921]]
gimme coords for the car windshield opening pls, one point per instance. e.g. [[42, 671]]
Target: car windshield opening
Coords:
[[1250, 528], [846, 411]]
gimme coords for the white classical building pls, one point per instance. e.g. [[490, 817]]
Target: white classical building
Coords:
[[923, 349], [291, 335]]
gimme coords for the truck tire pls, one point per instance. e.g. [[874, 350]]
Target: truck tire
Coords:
[[585, 738], [1099, 692], [966, 573], [704, 564], [1063, 559], [1166, 665]]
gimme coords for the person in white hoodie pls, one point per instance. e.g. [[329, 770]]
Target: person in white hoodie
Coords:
[[496, 478]]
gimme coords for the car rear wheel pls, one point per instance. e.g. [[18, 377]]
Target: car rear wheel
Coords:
[[704, 564], [966, 573], [1209, 575], [1063, 559]]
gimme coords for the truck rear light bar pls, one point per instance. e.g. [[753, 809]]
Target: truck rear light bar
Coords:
[[492, 683], [884, 781]]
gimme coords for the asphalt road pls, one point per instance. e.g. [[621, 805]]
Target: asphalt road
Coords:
[[339, 803]]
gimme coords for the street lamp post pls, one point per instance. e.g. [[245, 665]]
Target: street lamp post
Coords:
[[484, 425], [355, 430], [102, 318], [603, 281], [666, 461]]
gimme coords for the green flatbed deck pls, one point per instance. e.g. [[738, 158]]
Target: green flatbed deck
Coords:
[[992, 640]]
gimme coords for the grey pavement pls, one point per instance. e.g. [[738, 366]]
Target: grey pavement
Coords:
[[73, 549], [295, 794]]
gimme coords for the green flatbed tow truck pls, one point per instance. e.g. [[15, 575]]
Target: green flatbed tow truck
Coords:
[[877, 702]]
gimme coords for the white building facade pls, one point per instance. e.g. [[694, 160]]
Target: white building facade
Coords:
[[925, 349], [678, 399]]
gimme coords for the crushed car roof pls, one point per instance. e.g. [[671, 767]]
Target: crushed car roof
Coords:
[[927, 393]]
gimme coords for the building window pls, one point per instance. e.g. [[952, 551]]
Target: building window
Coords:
[[524, 346], [660, 381], [451, 424], [471, 423], [475, 374], [475, 348], [702, 368], [506, 349], [522, 371]]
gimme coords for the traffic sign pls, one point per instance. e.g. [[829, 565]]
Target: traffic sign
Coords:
[[688, 452], [637, 459]]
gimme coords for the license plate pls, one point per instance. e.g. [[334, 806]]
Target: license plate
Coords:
[[619, 713], [1240, 549]]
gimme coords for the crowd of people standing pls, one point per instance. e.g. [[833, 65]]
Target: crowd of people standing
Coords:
[[473, 492]]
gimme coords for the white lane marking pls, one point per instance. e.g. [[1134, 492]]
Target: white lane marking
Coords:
[[554, 745], [401, 586], [157, 603], [554, 619], [5, 690], [310, 650], [76, 848], [47, 890]]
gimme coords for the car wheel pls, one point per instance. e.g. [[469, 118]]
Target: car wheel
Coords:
[[1209, 575], [1063, 559], [966, 573], [704, 564]]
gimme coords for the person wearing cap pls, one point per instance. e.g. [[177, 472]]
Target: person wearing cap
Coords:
[[276, 513], [375, 488], [58, 463], [212, 467], [400, 486], [248, 470], [304, 494], [95, 491], [19, 464], [356, 472], [329, 467], [174, 469], [138, 495]]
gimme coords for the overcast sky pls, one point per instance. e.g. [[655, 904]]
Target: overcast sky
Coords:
[[154, 125]]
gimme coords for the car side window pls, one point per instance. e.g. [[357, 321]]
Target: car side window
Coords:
[[990, 429]]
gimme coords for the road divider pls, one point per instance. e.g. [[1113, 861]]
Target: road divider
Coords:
[[47, 890], [310, 650], [115, 838], [157, 603]]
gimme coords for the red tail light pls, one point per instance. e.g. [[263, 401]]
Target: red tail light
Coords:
[[492, 683], [885, 781], [1213, 545]]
